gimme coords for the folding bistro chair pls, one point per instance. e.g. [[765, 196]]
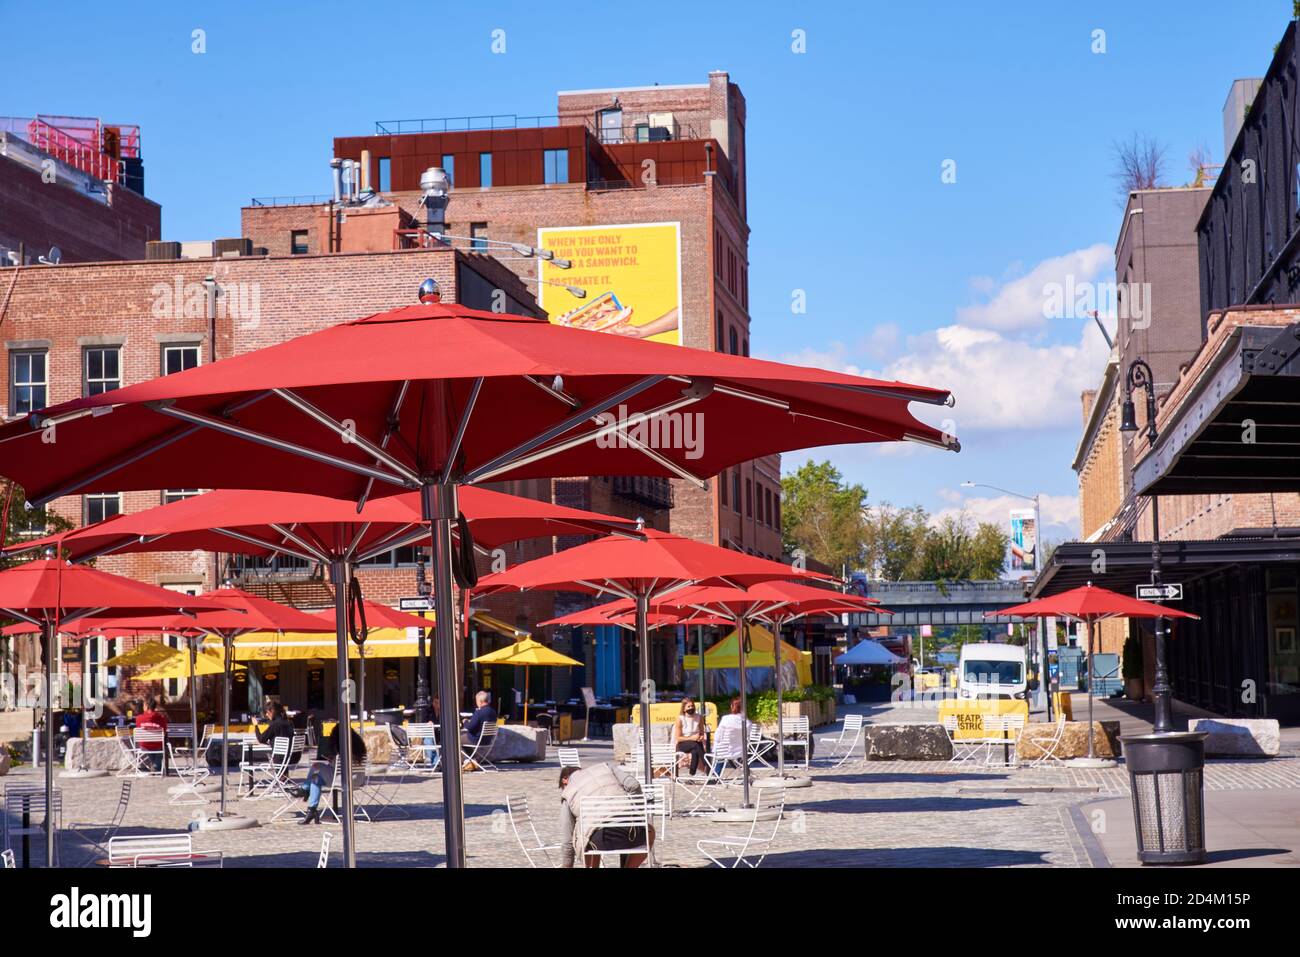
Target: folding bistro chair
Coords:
[[421, 752], [732, 850], [1048, 744], [629, 811], [323, 861], [476, 754], [159, 850], [179, 732], [726, 754], [379, 793], [29, 799], [98, 835], [843, 745], [569, 758], [7, 855], [759, 746], [191, 774], [521, 822], [332, 793]]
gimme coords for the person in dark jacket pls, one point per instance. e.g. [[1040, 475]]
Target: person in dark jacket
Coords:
[[483, 714], [279, 727], [321, 775]]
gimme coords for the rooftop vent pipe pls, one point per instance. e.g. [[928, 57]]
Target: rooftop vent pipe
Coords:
[[436, 187]]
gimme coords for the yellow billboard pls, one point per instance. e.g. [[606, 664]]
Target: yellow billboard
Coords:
[[631, 276]]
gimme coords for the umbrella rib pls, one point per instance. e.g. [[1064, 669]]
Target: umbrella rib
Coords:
[[319, 553], [261, 543], [735, 393], [349, 436], [454, 451], [606, 428], [403, 536], [515, 456], [389, 429], [281, 445], [131, 458], [553, 392]]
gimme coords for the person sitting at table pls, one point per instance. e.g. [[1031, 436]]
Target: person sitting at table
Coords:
[[602, 780], [483, 714], [279, 725], [151, 719], [731, 725], [690, 734], [321, 774]]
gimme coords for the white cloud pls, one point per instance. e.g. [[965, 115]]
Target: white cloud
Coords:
[[1018, 303], [1057, 510]]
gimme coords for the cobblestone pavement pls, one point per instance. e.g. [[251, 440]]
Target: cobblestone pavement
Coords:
[[873, 814]]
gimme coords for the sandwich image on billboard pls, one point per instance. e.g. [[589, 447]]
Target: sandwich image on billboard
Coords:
[[632, 276]]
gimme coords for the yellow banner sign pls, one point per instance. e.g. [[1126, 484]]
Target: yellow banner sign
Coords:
[[631, 276]]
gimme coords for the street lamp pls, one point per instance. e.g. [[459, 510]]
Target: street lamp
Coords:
[[422, 704], [1038, 570], [1139, 377]]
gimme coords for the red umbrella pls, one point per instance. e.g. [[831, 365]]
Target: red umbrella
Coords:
[[435, 397], [48, 592], [647, 572], [1090, 604], [234, 613]]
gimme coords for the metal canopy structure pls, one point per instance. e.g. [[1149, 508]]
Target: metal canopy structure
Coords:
[[939, 603], [1238, 430], [1128, 564]]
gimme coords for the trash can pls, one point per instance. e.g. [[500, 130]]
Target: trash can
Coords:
[[1166, 775]]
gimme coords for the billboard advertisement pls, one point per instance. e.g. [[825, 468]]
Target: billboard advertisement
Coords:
[[1024, 541], [631, 274]]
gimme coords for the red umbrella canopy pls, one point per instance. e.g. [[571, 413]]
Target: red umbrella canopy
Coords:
[[439, 392], [767, 600], [381, 616], [50, 589], [623, 614], [626, 566], [315, 527], [232, 612], [1090, 603]]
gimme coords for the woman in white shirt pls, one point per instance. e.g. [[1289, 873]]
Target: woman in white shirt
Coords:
[[690, 734], [729, 739]]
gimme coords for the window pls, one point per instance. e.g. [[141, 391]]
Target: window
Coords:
[[722, 490], [555, 166], [99, 507], [735, 491], [29, 383], [720, 336], [744, 346], [405, 557], [478, 237], [103, 369], [170, 495], [449, 167], [767, 507], [642, 132], [178, 358], [733, 341], [717, 253], [385, 174], [485, 170], [611, 125], [749, 498], [776, 510], [298, 242]]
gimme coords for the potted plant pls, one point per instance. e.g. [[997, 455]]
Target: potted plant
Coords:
[[1134, 687]]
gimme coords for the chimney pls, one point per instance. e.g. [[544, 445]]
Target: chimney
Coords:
[[365, 171], [1240, 95], [436, 188], [336, 170]]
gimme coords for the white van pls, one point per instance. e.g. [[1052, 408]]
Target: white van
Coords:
[[991, 670]]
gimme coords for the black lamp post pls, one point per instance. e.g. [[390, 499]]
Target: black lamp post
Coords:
[[1139, 377], [422, 704]]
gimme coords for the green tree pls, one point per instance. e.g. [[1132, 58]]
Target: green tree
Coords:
[[24, 522], [893, 540], [822, 515], [956, 549]]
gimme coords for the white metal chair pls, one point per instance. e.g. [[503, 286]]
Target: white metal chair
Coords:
[[1002, 731], [273, 779], [797, 733], [7, 855], [843, 745], [159, 850], [179, 732], [732, 850], [476, 755], [138, 751], [359, 812], [569, 758], [663, 760], [521, 822], [421, 752], [98, 835], [629, 811], [759, 746], [726, 754], [1048, 744], [29, 799], [379, 793], [323, 861], [192, 773]]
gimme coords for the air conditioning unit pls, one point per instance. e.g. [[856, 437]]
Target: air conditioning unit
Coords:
[[662, 121]]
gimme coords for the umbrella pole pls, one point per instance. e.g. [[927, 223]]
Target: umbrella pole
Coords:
[[194, 708], [742, 626], [341, 571], [84, 764], [699, 666], [1090, 752], [440, 508], [526, 672], [49, 743], [777, 662], [647, 688], [228, 642]]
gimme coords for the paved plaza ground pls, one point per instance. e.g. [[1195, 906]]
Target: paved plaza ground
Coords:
[[877, 814]]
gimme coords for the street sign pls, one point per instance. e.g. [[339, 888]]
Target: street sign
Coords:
[[1160, 592], [415, 604]]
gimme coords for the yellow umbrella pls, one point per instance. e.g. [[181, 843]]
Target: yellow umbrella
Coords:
[[526, 653], [205, 663], [145, 655]]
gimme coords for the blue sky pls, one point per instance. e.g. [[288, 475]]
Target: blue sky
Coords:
[[904, 275]]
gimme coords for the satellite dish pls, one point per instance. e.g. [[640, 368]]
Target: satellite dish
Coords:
[[53, 258]]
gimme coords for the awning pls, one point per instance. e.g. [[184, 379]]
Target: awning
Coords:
[[726, 654], [484, 620], [1238, 428], [301, 645]]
